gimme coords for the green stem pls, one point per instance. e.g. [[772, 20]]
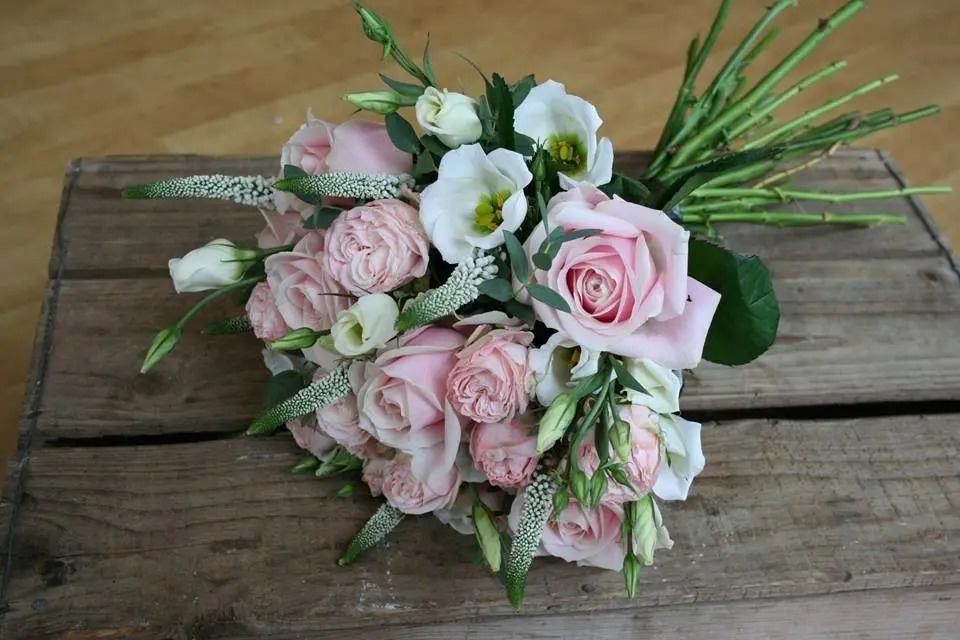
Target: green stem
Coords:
[[787, 194], [791, 219], [721, 205], [813, 114], [195, 309], [587, 421], [825, 28], [754, 116]]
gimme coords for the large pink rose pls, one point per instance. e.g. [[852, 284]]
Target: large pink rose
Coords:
[[341, 421], [643, 466], [627, 286], [401, 401], [589, 537], [377, 247], [264, 317], [306, 294], [375, 468], [355, 145], [492, 380], [417, 493], [505, 451]]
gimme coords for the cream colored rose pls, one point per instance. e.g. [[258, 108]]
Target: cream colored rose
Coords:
[[450, 116]]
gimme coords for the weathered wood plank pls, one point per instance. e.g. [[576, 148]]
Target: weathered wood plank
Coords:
[[106, 235], [164, 541], [852, 331]]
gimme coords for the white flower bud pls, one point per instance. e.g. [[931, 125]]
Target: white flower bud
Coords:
[[216, 264], [369, 324], [452, 117]]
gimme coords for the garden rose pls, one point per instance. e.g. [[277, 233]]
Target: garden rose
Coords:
[[505, 451], [402, 398], [627, 286], [415, 493], [282, 228], [307, 296], [355, 145], [589, 537], [491, 381], [374, 470], [264, 317], [377, 247], [341, 421], [310, 438]]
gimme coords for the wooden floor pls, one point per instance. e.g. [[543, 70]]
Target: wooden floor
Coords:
[[229, 77]]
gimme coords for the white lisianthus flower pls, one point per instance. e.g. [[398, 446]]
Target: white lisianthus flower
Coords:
[[476, 198], [663, 385], [216, 264], [450, 116], [683, 457], [559, 364], [367, 325], [567, 126]]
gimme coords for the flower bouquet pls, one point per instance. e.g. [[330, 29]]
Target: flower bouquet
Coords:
[[485, 322]]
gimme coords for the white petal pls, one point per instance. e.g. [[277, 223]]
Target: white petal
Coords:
[[675, 478]]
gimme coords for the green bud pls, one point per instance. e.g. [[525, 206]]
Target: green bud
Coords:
[[560, 500], [305, 465], [347, 490], [488, 536], [382, 102], [580, 485], [619, 475], [295, 340], [555, 421], [598, 487], [645, 528], [538, 166], [163, 344], [631, 571], [375, 28], [620, 438]]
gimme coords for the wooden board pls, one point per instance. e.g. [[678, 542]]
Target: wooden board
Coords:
[[186, 537], [133, 510]]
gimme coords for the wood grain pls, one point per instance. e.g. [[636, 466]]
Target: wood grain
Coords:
[[215, 539], [154, 76]]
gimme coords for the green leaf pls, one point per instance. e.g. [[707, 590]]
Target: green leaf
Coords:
[[434, 145], [746, 321], [574, 235], [427, 66], [348, 489], [402, 134], [625, 378], [548, 297], [305, 465], [403, 88], [497, 288], [425, 164], [518, 259], [522, 312], [501, 104], [699, 175], [322, 217], [293, 171], [524, 145], [282, 386], [521, 89], [542, 260], [628, 188]]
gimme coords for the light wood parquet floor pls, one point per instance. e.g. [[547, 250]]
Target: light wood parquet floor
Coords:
[[235, 77]]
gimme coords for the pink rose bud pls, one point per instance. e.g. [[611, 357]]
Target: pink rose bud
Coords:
[[505, 451]]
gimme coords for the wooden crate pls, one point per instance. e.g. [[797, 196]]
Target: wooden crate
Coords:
[[830, 505]]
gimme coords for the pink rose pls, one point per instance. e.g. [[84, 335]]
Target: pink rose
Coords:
[[505, 451], [341, 421], [643, 466], [355, 145], [308, 437], [401, 400], [264, 317], [306, 295], [627, 286], [418, 493], [374, 471], [491, 381], [589, 537], [377, 247], [282, 228]]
